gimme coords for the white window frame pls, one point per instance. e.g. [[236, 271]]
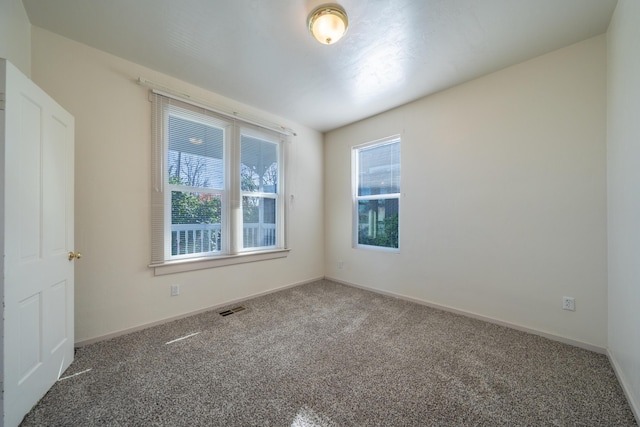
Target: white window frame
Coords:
[[277, 196], [174, 111], [232, 250], [355, 168]]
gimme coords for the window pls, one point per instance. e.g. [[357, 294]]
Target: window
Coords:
[[217, 185], [376, 190]]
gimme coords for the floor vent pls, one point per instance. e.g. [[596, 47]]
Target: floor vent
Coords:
[[231, 311]]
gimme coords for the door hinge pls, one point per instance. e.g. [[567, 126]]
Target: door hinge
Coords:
[[2, 101]]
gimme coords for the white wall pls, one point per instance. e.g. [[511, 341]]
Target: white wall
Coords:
[[115, 290], [15, 35], [623, 179], [504, 205]]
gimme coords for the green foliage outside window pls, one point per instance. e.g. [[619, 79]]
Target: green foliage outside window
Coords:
[[386, 234], [194, 208]]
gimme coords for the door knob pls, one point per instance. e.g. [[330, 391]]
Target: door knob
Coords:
[[76, 255]]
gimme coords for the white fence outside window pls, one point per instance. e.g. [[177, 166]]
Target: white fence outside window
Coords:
[[201, 238]]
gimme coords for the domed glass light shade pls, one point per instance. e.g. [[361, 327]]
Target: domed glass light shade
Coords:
[[328, 23]]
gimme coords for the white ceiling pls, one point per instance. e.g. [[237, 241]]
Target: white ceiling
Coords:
[[259, 52]]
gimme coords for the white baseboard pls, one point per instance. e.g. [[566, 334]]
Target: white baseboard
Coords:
[[626, 388], [565, 340], [191, 313]]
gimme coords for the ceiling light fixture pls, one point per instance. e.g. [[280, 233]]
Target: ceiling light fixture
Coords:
[[328, 23]]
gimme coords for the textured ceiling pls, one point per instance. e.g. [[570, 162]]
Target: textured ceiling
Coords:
[[259, 51]]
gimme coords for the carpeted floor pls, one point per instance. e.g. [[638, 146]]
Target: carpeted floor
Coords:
[[325, 354]]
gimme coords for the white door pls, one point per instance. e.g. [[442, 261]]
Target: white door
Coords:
[[37, 141]]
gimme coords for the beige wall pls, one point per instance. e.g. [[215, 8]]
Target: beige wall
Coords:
[[115, 290], [504, 205], [623, 179], [15, 35]]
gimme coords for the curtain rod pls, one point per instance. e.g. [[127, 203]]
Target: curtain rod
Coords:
[[202, 103]]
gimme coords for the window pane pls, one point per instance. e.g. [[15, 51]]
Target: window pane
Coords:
[[259, 168], [379, 169], [195, 154], [195, 222], [258, 222], [378, 222]]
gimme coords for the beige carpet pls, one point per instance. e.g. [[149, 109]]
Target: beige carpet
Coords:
[[325, 354]]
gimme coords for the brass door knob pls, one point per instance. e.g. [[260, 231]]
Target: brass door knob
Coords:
[[76, 255]]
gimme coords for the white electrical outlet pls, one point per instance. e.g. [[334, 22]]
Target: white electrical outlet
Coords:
[[569, 303], [175, 290], [340, 265]]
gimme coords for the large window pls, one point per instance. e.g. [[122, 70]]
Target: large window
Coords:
[[376, 190], [217, 184]]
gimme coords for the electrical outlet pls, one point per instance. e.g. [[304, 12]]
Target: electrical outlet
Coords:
[[340, 265], [569, 303], [175, 290]]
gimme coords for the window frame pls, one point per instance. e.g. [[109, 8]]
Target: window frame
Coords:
[[231, 222], [355, 177], [277, 196], [170, 188]]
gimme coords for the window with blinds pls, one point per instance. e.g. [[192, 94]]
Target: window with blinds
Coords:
[[376, 194], [216, 184]]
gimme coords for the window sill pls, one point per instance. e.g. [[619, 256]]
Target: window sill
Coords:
[[211, 262]]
